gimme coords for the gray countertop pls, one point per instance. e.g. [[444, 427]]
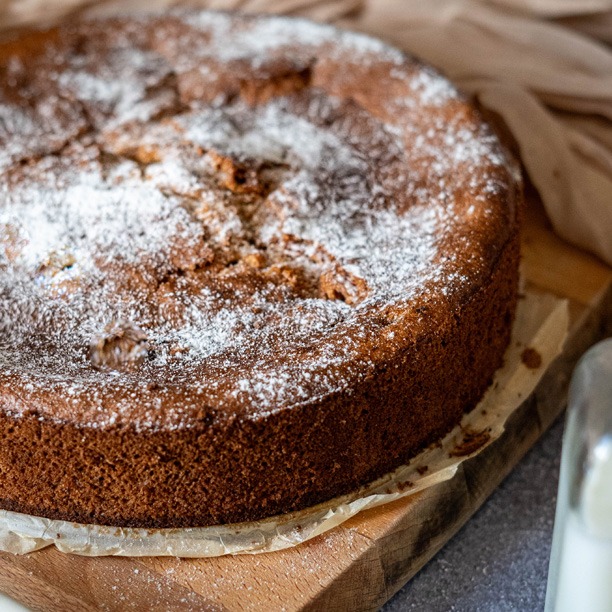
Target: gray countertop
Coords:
[[499, 560]]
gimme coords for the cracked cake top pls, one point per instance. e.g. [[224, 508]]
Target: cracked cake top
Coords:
[[229, 222]]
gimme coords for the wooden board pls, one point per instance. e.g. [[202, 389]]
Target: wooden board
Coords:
[[361, 564]]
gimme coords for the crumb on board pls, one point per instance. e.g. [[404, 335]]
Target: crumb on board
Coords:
[[531, 358]]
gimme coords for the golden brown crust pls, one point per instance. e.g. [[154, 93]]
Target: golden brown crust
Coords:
[[247, 265]]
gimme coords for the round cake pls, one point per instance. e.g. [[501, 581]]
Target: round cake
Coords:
[[247, 264]]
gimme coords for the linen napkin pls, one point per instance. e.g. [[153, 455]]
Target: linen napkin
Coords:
[[544, 66]]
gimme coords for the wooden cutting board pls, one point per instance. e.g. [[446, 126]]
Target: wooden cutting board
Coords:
[[362, 563]]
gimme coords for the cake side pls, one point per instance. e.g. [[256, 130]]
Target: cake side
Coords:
[[230, 262], [251, 469]]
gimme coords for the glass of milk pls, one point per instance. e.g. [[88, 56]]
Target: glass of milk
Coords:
[[580, 572]]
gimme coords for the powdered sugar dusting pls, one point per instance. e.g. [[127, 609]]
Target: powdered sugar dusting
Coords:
[[236, 249], [257, 38]]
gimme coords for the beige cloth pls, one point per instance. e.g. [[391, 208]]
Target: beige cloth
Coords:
[[543, 65]]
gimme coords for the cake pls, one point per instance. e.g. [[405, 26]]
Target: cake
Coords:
[[247, 264]]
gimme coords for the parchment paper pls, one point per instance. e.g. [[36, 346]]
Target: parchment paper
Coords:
[[540, 326]]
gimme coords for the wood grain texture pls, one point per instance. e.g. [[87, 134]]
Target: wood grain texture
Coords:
[[362, 563]]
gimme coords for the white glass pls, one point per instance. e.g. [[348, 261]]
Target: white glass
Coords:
[[580, 572], [9, 605]]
